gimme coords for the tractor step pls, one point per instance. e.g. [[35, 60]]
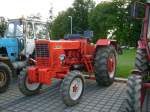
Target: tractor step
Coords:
[[117, 79]]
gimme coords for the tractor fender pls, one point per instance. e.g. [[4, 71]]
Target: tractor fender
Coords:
[[106, 42], [103, 42], [141, 44]]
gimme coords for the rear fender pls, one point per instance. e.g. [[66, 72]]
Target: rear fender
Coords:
[[141, 44], [106, 42], [7, 61]]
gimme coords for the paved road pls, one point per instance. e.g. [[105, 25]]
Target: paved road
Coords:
[[95, 99]]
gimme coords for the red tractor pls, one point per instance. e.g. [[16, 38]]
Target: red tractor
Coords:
[[138, 82], [64, 59]]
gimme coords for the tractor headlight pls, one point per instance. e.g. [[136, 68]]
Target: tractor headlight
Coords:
[[62, 57]]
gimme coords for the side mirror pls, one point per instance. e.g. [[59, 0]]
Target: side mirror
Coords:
[[137, 10]]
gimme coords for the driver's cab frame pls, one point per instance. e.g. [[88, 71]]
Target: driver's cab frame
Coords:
[[30, 29], [144, 41]]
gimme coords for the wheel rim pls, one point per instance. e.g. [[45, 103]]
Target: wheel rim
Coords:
[[111, 64], [3, 78], [31, 86], [76, 88]]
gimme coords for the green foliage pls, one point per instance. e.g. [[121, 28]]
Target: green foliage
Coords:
[[128, 29], [81, 9], [60, 25], [114, 16], [102, 18], [79, 13], [2, 28]]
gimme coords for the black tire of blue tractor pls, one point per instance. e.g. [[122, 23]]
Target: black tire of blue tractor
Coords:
[[6, 72], [65, 87], [100, 65], [133, 92], [22, 85], [141, 62]]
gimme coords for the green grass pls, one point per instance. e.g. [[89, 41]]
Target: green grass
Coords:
[[126, 63]]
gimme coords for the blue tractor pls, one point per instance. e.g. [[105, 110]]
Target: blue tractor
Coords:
[[17, 48]]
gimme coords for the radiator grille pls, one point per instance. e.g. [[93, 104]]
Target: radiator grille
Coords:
[[42, 50], [42, 54]]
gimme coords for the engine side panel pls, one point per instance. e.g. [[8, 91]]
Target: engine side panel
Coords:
[[11, 46]]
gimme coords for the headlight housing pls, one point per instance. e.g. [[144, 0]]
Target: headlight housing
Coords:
[[62, 57]]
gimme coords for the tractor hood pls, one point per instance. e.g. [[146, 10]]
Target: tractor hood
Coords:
[[8, 42], [61, 44]]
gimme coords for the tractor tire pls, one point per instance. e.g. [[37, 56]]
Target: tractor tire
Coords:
[[72, 88], [25, 87], [105, 74], [5, 77], [133, 100], [141, 62]]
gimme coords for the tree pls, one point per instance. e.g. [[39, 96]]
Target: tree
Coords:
[[60, 26], [102, 19], [115, 16], [111, 19], [3, 25], [123, 21], [79, 12], [129, 29], [81, 9]]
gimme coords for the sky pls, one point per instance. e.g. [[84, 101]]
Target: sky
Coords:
[[18, 8]]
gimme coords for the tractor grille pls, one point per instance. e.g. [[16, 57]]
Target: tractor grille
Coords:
[[42, 54], [42, 50]]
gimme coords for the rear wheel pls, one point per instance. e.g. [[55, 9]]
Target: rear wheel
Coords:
[[105, 65], [26, 87], [5, 77], [134, 87], [72, 88], [141, 62], [133, 100]]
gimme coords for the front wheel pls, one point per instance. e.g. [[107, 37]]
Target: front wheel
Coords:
[[72, 88], [26, 87], [134, 96], [5, 77]]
